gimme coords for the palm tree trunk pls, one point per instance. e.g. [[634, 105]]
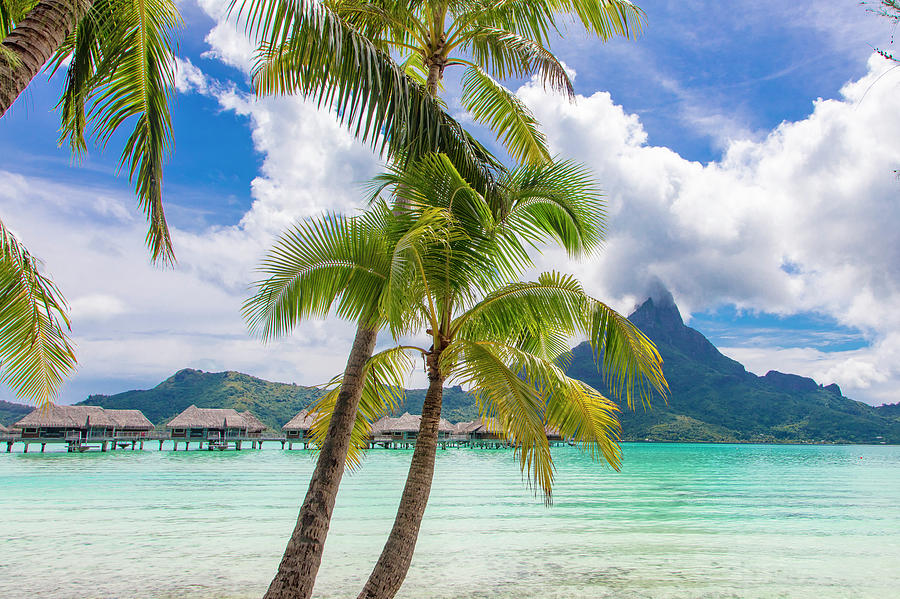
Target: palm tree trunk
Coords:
[[392, 566], [434, 76], [32, 43], [300, 563]]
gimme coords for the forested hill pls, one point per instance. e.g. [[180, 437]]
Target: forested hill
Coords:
[[11, 412], [713, 398], [273, 403]]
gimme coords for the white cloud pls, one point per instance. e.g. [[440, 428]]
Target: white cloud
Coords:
[[818, 194], [189, 78], [96, 306]]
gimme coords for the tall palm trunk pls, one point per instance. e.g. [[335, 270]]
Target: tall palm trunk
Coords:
[[32, 43], [300, 563], [392, 566]]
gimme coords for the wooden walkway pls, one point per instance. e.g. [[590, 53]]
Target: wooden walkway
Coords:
[[132, 443]]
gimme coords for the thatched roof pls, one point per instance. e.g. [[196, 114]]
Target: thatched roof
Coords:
[[254, 424], [194, 417], [475, 426], [464, 428], [133, 419], [4, 430], [53, 415], [407, 423], [303, 421]]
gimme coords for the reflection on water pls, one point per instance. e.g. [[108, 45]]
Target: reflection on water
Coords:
[[678, 521]]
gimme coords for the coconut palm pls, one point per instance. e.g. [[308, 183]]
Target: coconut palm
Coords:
[[322, 266], [371, 93], [35, 353], [119, 64], [492, 39], [501, 341]]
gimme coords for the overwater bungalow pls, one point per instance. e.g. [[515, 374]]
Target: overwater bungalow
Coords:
[[214, 426], [83, 422], [5, 432], [77, 425], [553, 435], [403, 430], [478, 433], [255, 426], [298, 428]]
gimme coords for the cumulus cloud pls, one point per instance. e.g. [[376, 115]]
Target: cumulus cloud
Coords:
[[801, 220], [189, 78]]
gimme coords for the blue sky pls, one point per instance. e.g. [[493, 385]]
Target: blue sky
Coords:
[[746, 150]]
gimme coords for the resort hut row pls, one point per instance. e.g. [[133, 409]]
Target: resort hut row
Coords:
[[82, 423], [404, 429], [214, 424], [480, 432]]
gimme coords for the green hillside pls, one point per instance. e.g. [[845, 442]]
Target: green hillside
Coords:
[[889, 410], [713, 398], [11, 412], [273, 403]]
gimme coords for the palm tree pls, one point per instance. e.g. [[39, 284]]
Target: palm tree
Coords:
[[492, 39], [35, 353], [326, 265], [373, 96], [119, 65], [501, 341], [341, 265]]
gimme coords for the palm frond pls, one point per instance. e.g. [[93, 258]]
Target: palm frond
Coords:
[[35, 352], [605, 18], [11, 12], [557, 200], [505, 54], [535, 315], [134, 80], [628, 359], [498, 108], [383, 390], [308, 49], [316, 263], [505, 400]]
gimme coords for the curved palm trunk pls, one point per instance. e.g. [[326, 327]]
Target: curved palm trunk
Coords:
[[392, 566], [32, 43], [300, 563]]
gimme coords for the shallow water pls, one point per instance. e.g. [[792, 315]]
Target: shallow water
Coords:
[[679, 520]]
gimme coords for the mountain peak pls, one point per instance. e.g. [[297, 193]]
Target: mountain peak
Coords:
[[658, 310]]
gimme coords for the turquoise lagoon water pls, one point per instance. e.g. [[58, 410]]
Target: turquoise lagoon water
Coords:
[[677, 521]]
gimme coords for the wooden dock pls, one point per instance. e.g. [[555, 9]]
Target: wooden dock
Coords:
[[78, 444]]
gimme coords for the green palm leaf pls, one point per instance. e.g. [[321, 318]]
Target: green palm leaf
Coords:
[[383, 391], [316, 263], [122, 65], [498, 108], [506, 54], [629, 360], [506, 401], [35, 353], [306, 48]]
